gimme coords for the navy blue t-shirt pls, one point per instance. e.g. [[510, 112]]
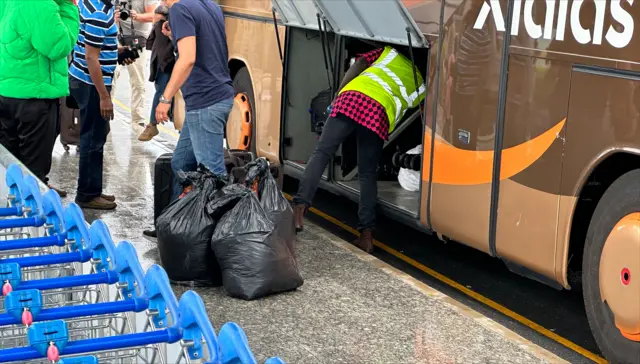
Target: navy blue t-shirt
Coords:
[[209, 81]]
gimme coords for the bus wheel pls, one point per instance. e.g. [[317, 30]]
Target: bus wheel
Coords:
[[240, 126], [611, 271]]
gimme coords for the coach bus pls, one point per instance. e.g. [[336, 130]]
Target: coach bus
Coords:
[[530, 130]]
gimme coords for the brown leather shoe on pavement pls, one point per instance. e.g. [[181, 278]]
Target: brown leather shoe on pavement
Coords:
[[98, 203], [148, 133], [61, 193], [365, 240], [110, 198], [298, 216]]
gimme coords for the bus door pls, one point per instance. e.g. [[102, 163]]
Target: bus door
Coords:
[[461, 130]]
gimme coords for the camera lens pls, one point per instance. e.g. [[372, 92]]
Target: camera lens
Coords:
[[124, 14]]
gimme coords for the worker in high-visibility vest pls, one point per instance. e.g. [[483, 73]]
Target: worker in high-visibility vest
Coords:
[[374, 95]]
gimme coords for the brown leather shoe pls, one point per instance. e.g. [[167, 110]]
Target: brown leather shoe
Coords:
[[61, 193], [98, 203], [298, 216], [365, 240], [110, 198]]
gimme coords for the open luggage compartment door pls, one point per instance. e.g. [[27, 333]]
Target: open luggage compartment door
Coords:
[[297, 13], [381, 20]]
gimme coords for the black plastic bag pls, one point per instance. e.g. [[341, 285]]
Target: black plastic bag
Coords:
[[279, 211], [256, 173], [255, 261], [184, 234], [226, 199]]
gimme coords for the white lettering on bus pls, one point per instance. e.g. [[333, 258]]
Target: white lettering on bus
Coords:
[[615, 36]]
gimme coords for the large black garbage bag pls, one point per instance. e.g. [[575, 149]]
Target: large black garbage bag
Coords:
[[226, 199], [279, 211], [255, 261], [256, 172], [184, 235]]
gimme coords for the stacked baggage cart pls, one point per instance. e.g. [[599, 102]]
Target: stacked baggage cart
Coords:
[[70, 295]]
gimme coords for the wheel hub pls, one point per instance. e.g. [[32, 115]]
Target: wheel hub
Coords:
[[620, 275], [240, 123]]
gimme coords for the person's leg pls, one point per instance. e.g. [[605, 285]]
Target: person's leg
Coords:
[[137, 81], [183, 159], [335, 131], [207, 134], [93, 135], [151, 130], [36, 130], [369, 151], [9, 126]]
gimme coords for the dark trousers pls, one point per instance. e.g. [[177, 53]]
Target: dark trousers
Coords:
[[334, 132], [28, 131], [93, 135]]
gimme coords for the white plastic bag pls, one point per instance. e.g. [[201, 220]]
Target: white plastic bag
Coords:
[[410, 179]]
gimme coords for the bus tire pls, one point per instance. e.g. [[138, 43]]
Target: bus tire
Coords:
[[620, 200], [244, 108]]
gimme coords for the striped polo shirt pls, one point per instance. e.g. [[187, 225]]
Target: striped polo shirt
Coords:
[[97, 29]]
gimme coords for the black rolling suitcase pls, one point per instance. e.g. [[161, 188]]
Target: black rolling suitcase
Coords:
[[162, 185], [162, 180], [69, 125]]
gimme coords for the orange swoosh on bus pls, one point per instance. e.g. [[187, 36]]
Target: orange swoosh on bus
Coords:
[[454, 166]]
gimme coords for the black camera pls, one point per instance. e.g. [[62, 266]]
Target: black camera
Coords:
[[125, 10]]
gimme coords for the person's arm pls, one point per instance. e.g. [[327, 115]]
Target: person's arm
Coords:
[[92, 55], [363, 62], [147, 16], [183, 66], [183, 29], [56, 24]]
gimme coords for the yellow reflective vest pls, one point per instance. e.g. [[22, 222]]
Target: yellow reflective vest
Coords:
[[390, 82]]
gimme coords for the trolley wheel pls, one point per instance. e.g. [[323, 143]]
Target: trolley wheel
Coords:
[[66, 147], [611, 272], [241, 133]]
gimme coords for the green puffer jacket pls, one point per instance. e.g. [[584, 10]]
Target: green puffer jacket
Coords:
[[36, 37]]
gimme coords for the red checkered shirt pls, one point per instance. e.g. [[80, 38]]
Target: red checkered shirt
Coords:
[[361, 108]]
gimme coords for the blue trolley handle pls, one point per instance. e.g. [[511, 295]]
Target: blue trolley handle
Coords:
[[32, 197], [15, 181], [103, 249], [76, 227], [53, 212], [79, 256], [41, 242], [195, 326], [131, 273], [11, 211], [161, 297]]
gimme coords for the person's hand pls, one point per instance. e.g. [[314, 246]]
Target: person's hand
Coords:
[[162, 113], [134, 14], [166, 30], [117, 14], [106, 108], [127, 61]]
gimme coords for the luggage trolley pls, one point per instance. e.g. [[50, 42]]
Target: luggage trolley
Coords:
[[52, 308]]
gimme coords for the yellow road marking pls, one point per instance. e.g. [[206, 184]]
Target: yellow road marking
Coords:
[[476, 296], [444, 279], [160, 126]]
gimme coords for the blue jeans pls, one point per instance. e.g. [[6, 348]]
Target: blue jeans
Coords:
[[162, 79], [201, 141], [93, 135]]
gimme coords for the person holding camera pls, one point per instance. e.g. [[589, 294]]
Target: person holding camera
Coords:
[[35, 39], [135, 21], [95, 56]]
